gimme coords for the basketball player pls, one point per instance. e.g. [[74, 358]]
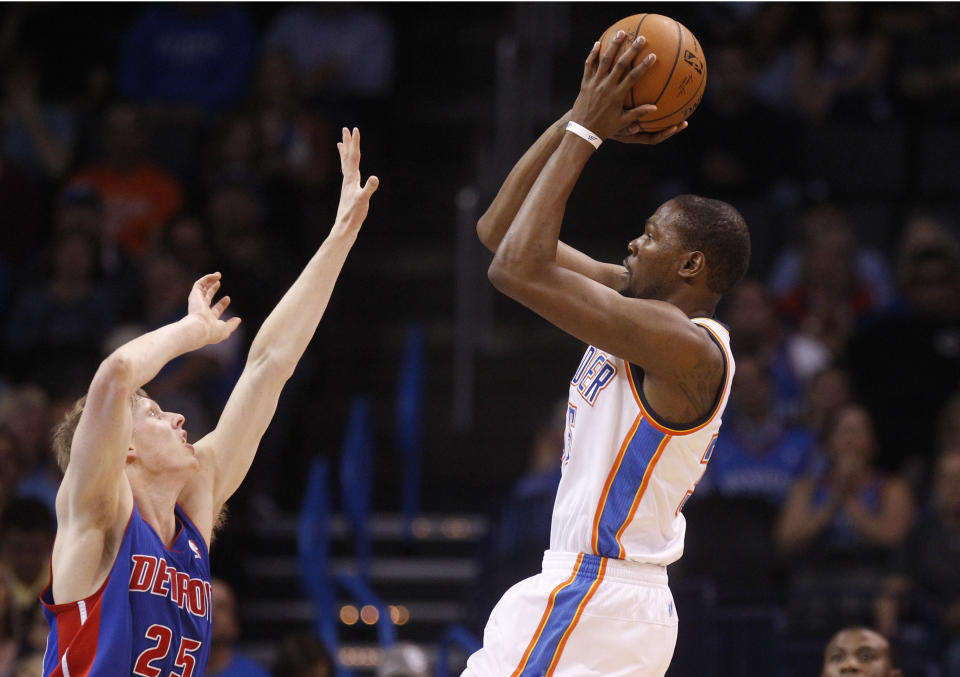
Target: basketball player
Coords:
[[644, 405], [859, 651], [130, 590]]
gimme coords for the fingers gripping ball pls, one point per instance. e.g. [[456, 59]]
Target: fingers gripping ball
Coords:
[[676, 81]]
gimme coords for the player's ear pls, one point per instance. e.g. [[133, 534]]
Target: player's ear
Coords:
[[693, 265]]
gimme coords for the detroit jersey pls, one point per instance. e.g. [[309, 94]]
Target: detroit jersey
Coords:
[[626, 471], [151, 617]]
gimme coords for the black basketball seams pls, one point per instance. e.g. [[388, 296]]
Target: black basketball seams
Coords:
[[676, 60], [636, 32]]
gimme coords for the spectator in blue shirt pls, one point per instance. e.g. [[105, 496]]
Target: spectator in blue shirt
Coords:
[[224, 659], [199, 55], [758, 454]]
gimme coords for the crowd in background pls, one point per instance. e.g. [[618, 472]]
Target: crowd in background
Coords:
[[203, 142]]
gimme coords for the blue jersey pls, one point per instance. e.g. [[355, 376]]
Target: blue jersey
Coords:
[[151, 617]]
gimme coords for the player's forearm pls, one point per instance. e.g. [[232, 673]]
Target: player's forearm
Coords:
[[287, 331], [494, 223], [531, 241], [136, 362]]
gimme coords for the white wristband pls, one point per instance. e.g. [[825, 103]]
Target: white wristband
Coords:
[[584, 133]]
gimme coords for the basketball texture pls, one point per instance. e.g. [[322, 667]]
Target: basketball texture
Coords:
[[676, 81]]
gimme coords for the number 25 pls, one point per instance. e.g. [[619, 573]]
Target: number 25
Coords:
[[163, 636]]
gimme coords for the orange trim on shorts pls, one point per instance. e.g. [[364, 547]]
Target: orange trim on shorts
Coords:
[[640, 491], [723, 393], [595, 540], [546, 615], [576, 618]]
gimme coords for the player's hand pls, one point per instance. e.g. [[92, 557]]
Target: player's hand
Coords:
[[606, 81], [354, 198], [199, 307], [632, 134]]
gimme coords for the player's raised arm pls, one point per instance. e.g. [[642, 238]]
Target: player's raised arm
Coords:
[[283, 338], [494, 223], [92, 480], [95, 498], [654, 334]]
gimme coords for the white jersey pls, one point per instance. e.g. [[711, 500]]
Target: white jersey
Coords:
[[626, 471]]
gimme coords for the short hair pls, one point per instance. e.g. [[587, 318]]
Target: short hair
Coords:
[[64, 431], [891, 651], [719, 231]]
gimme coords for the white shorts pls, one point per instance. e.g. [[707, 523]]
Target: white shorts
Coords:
[[583, 615]]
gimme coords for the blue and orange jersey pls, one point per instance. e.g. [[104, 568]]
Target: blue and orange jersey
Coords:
[[151, 617], [626, 472]]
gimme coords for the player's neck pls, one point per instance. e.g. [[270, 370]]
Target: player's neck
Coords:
[[156, 502], [694, 301]]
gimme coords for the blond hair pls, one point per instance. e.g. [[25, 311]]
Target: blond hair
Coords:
[[64, 431]]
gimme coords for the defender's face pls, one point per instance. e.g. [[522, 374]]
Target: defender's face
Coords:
[[160, 439], [858, 652], [655, 257]]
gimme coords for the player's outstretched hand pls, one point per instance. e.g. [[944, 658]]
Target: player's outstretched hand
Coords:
[[200, 306], [603, 89], [354, 198], [632, 134]]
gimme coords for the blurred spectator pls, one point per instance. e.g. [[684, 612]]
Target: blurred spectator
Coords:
[[252, 265], [521, 532], [37, 136], [302, 655], [926, 63], [294, 139], [924, 586], [924, 328], [56, 328], [224, 660], [9, 626], [194, 55], [842, 67], [828, 221], [19, 232], [756, 330], [11, 466], [735, 131], [337, 49], [758, 454], [404, 660], [187, 240], [138, 196], [27, 530], [850, 508], [859, 651], [827, 391], [31, 666], [236, 148], [26, 415], [771, 38], [825, 287], [79, 208]]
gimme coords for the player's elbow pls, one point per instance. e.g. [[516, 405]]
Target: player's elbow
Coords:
[[270, 364], [501, 275], [485, 228], [116, 370]]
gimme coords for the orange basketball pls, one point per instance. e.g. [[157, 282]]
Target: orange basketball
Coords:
[[676, 81]]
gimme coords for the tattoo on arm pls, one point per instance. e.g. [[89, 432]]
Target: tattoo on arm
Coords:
[[697, 385]]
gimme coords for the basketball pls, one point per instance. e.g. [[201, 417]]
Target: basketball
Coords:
[[676, 81]]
